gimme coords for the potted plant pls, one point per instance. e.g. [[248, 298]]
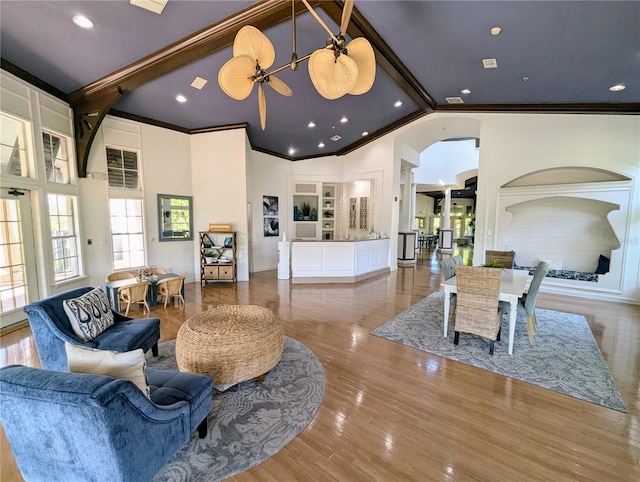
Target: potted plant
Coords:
[[210, 257], [306, 211]]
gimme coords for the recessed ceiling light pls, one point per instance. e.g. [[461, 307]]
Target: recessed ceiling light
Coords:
[[311, 124], [465, 91], [617, 87], [365, 133], [495, 31], [344, 119], [398, 103], [292, 151], [321, 145], [82, 21], [181, 98]]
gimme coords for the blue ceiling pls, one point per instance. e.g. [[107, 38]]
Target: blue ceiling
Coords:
[[569, 52]]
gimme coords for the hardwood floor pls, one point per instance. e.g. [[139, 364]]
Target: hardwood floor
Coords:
[[394, 413]]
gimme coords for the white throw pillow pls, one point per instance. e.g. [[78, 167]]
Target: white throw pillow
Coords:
[[90, 314], [129, 365]]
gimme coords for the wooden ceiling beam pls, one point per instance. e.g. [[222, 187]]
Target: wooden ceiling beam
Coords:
[[386, 58], [101, 95]]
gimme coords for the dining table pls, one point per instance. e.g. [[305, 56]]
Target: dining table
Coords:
[[112, 287], [512, 286]]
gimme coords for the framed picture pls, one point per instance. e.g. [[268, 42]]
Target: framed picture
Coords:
[[271, 227], [270, 205], [175, 215]]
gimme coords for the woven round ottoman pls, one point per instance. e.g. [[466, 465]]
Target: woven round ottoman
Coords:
[[230, 343]]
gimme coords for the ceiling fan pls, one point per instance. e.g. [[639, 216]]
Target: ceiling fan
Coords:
[[335, 70]]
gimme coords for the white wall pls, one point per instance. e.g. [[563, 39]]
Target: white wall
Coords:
[[219, 181], [513, 145], [166, 169]]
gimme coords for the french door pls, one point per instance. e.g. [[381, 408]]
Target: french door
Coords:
[[18, 282]]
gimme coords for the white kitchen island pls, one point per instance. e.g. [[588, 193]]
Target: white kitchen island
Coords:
[[338, 261]]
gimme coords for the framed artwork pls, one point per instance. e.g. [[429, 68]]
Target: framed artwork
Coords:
[[270, 205], [175, 215], [271, 227]]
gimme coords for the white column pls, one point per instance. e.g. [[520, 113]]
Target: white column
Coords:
[[447, 208], [407, 201]]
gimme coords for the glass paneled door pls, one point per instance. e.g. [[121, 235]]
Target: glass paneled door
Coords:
[[17, 256]]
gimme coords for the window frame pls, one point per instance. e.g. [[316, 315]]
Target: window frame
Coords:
[[65, 143], [124, 170], [129, 234], [75, 222]]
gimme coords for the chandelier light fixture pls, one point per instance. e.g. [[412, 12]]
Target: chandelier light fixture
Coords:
[[335, 70]]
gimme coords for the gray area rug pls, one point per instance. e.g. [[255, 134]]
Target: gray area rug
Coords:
[[249, 422], [565, 358]]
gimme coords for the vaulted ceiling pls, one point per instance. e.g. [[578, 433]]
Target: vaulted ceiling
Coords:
[[550, 57]]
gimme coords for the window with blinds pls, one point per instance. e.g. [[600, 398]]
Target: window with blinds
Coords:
[[122, 169]]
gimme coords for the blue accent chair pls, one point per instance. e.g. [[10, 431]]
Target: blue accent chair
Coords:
[[51, 328], [81, 427]]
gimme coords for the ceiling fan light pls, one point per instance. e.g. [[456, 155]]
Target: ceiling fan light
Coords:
[[252, 42], [235, 77], [361, 52], [332, 77]]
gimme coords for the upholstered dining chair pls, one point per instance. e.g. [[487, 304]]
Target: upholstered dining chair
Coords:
[[457, 259], [136, 294], [527, 304], [169, 287], [502, 259], [448, 269], [477, 309]]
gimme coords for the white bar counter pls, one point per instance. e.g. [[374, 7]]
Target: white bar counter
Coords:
[[338, 261]]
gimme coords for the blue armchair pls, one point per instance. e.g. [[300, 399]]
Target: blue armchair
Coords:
[[80, 427], [51, 327]]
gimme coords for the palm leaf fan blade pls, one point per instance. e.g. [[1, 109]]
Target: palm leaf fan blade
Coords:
[[235, 77], [252, 42], [262, 105], [361, 52], [332, 77], [279, 86]]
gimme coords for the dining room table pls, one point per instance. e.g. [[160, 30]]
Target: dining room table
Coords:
[[112, 287], [512, 286]]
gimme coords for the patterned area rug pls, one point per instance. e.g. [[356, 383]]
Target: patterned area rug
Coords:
[[251, 421], [565, 358]]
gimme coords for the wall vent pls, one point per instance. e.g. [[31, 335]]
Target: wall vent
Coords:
[[336, 138], [490, 63], [155, 6], [199, 83], [454, 100]]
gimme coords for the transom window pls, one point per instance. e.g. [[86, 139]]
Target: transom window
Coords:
[[64, 236], [56, 160], [127, 233], [122, 169], [13, 147]]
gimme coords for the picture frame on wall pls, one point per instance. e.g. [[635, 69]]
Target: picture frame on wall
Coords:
[[271, 227], [270, 205]]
